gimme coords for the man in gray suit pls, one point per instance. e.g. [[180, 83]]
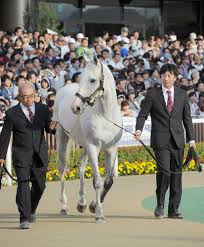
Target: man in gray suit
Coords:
[[170, 111]]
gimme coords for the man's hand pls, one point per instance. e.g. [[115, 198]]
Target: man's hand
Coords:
[[137, 135], [53, 125], [2, 162]]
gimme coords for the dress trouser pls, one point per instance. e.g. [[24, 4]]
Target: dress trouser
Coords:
[[172, 159], [27, 198]]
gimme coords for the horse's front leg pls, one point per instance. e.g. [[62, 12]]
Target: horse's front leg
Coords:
[[110, 158], [93, 153], [81, 206]]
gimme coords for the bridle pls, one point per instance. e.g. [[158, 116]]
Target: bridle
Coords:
[[90, 100]]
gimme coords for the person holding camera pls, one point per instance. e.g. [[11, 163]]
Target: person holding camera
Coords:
[[3, 108], [27, 121]]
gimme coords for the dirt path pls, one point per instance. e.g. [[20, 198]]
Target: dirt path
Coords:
[[128, 223]]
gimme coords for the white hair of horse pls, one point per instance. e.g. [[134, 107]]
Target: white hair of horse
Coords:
[[90, 128]]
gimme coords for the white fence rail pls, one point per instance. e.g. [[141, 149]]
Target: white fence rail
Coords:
[[126, 140]]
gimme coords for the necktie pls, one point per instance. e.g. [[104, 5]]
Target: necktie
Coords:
[[169, 102], [31, 115]]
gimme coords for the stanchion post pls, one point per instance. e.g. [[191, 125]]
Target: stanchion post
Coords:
[[8, 163]]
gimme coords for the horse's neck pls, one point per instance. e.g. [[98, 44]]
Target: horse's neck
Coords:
[[109, 104]]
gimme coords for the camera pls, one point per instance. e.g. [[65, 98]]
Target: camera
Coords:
[[2, 108], [137, 93], [1, 122]]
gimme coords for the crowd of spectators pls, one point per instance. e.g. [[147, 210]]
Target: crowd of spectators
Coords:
[[49, 61]]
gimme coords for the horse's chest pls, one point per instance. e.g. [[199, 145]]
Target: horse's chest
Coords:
[[99, 130]]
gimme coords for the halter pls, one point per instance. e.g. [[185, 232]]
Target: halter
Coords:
[[90, 100]]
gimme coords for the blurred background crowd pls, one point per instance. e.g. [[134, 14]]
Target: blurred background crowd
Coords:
[[50, 61]]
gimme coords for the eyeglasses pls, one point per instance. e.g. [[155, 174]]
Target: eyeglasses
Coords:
[[25, 97]]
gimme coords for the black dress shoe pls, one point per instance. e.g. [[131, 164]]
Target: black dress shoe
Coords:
[[32, 218], [175, 216], [24, 225], [159, 212]]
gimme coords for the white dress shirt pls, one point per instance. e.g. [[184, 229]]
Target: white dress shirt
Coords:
[[194, 109], [123, 38], [119, 65], [25, 110], [58, 81]]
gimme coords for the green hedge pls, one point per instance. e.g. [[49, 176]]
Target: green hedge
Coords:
[[129, 154]]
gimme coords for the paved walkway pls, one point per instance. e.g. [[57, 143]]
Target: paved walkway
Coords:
[[128, 223]]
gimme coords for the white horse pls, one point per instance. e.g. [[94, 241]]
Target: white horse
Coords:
[[85, 113]]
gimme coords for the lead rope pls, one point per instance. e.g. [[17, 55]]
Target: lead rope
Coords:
[[153, 156], [141, 142], [8, 173]]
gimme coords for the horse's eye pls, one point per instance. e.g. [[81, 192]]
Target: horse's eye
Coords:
[[93, 80]]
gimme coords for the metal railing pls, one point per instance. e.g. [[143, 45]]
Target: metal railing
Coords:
[[198, 130], [51, 140]]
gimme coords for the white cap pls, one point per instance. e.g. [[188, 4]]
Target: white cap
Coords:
[[66, 39], [29, 48], [173, 37], [124, 29], [193, 35], [49, 31], [72, 41], [80, 36]]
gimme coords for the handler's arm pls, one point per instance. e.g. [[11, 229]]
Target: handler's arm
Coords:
[[146, 106], [50, 125], [187, 121], [5, 136]]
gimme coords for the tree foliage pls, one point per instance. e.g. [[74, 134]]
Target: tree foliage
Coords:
[[42, 16], [47, 17]]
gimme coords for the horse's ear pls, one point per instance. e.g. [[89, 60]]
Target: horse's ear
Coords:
[[95, 59]]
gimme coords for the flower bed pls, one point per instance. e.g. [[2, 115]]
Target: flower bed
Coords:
[[124, 169], [132, 161]]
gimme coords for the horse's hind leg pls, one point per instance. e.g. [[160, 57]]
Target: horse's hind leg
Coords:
[[62, 140], [81, 206], [110, 158]]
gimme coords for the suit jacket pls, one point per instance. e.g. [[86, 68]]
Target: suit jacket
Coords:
[[27, 138], [165, 125]]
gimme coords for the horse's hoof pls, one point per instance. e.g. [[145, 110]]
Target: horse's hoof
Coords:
[[92, 207], [81, 208], [100, 220], [63, 212]]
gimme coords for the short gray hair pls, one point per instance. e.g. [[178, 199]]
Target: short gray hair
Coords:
[[26, 85]]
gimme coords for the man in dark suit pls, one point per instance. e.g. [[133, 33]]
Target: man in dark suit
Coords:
[[27, 121], [170, 111]]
